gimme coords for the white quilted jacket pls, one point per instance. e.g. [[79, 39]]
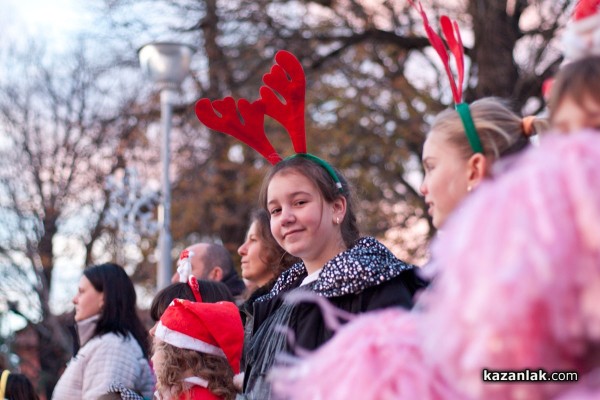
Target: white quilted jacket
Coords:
[[104, 360]]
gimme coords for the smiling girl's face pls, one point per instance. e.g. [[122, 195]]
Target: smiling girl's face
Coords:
[[301, 221]]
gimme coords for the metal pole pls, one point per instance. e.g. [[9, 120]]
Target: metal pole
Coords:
[[163, 275]]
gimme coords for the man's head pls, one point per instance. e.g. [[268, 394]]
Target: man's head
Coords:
[[209, 261]]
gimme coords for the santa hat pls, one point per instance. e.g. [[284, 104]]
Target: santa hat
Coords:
[[210, 328], [585, 14], [581, 37]]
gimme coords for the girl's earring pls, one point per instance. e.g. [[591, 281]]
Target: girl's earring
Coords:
[[337, 220], [469, 188]]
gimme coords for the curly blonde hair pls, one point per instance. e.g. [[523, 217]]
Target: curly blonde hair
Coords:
[[216, 370]]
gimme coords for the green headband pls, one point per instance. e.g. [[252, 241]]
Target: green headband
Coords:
[[324, 164], [471, 132]]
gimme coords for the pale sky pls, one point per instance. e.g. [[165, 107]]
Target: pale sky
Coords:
[[55, 20], [58, 24], [38, 16]]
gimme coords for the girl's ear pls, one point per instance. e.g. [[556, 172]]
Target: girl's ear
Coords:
[[477, 168], [339, 209]]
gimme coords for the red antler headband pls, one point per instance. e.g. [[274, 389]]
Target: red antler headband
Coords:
[[454, 41], [286, 80]]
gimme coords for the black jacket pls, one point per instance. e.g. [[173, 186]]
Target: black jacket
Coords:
[[366, 277]]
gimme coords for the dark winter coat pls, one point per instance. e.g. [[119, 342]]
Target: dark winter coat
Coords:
[[363, 278]]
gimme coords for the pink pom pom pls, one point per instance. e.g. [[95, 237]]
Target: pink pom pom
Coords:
[[587, 388], [376, 356], [520, 280]]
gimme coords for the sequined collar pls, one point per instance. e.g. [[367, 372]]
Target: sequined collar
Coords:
[[368, 263]]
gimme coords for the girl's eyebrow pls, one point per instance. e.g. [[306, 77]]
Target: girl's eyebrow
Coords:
[[290, 195]]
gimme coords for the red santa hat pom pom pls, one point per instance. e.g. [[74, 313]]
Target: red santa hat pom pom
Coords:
[[581, 37], [211, 328]]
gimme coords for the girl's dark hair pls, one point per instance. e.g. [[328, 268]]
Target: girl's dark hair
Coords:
[[118, 315], [211, 292], [273, 255], [326, 186], [578, 80], [18, 387]]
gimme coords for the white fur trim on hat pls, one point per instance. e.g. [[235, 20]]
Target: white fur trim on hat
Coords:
[[183, 341], [196, 381], [238, 381]]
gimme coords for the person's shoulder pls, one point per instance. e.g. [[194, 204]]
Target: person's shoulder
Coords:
[[115, 343], [409, 280], [412, 279], [289, 279], [261, 291], [368, 263]]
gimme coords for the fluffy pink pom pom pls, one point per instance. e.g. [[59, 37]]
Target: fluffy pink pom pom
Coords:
[[376, 356], [520, 273]]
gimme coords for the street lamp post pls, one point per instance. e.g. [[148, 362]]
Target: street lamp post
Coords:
[[167, 64]]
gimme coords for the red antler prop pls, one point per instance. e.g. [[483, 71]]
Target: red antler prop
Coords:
[[250, 128], [452, 36], [287, 80]]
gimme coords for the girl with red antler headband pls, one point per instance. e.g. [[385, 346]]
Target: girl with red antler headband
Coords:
[[464, 143], [311, 217]]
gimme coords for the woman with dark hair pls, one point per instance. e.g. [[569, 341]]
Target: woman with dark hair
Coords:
[[113, 340], [263, 259]]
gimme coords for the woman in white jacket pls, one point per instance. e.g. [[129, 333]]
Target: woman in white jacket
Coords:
[[113, 341]]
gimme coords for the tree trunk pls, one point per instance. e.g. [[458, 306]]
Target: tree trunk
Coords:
[[496, 33], [46, 247]]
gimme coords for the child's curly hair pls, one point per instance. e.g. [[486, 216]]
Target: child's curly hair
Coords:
[[216, 370]]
